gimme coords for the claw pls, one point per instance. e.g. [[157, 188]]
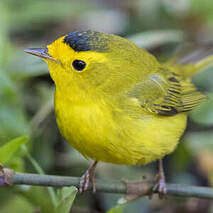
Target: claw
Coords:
[[160, 185], [87, 179]]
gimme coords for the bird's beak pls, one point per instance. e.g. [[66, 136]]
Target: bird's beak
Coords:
[[40, 52]]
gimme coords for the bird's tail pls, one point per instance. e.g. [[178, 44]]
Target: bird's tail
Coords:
[[204, 63], [187, 66], [194, 62]]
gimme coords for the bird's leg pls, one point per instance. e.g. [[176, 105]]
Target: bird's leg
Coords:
[[160, 185], [88, 178]]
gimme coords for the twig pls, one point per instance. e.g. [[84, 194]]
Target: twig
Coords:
[[120, 187], [42, 114]]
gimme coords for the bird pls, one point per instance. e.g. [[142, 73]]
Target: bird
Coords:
[[116, 103]]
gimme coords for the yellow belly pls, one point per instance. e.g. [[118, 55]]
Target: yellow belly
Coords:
[[116, 137]]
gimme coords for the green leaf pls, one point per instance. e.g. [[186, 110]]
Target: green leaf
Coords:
[[117, 209], [7, 150], [67, 196], [16, 163], [37, 167], [37, 197]]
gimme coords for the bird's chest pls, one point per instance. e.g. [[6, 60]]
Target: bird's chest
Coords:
[[106, 133], [86, 126]]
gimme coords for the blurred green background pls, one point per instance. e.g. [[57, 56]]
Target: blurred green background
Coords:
[[28, 129]]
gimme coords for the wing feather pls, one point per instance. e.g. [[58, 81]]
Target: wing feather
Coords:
[[165, 93]]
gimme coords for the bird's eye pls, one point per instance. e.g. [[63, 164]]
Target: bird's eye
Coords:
[[78, 65]]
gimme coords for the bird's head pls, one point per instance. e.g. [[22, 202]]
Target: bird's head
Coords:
[[89, 60]]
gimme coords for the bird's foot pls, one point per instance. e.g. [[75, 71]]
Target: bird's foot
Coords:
[[88, 179], [160, 186], [85, 182]]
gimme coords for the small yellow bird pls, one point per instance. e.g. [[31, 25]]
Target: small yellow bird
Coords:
[[114, 102]]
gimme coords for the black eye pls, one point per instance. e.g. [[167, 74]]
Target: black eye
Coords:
[[79, 65]]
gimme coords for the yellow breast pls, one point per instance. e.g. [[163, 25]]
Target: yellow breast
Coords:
[[116, 136]]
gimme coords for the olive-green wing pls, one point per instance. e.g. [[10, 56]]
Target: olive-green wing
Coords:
[[166, 94]]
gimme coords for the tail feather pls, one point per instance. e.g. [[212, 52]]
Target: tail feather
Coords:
[[193, 62], [187, 66], [204, 63], [194, 57]]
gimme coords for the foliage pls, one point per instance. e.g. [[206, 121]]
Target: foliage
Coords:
[[9, 149]]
